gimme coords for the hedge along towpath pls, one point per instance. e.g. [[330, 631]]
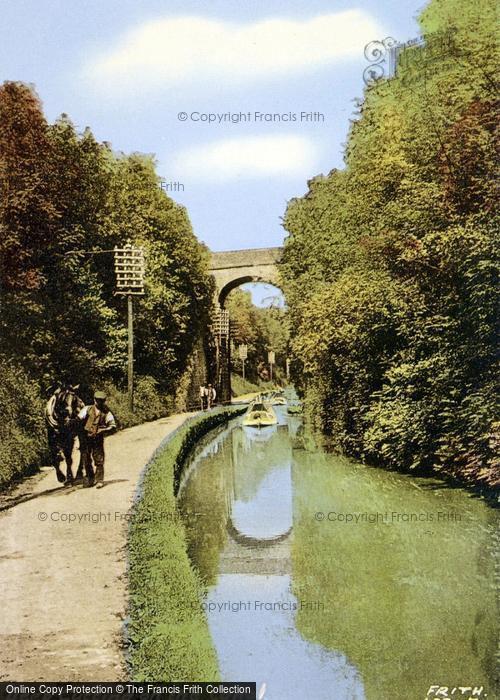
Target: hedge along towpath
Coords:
[[167, 630]]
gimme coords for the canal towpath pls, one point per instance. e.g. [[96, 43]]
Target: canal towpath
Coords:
[[63, 566]]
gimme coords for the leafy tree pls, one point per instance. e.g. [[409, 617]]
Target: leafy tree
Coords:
[[27, 212], [390, 267], [261, 329], [175, 310], [66, 202]]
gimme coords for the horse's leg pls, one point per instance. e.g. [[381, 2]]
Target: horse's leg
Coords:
[[56, 455], [59, 472]]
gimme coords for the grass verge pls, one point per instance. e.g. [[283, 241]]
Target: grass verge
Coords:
[[240, 386], [167, 629]]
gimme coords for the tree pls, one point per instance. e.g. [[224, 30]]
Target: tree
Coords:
[[390, 266], [67, 201], [175, 309], [261, 329]]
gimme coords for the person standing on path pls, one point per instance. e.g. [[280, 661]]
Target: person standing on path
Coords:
[[203, 397], [211, 396], [98, 421]]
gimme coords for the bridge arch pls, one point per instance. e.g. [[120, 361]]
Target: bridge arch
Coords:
[[231, 269], [236, 267]]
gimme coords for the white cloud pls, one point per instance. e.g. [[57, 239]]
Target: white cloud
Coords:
[[177, 50], [247, 158]]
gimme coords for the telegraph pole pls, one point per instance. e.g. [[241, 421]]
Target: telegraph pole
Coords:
[[130, 352], [221, 332], [129, 270], [271, 359]]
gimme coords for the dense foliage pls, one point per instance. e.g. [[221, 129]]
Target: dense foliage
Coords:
[[65, 202], [261, 329], [390, 267]]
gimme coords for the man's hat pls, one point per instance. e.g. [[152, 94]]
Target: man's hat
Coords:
[[100, 395]]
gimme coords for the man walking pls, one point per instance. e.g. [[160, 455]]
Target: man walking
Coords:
[[98, 421]]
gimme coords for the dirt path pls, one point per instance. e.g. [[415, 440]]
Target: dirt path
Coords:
[[63, 584]]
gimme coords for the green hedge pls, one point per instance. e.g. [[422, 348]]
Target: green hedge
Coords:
[[149, 403], [23, 440], [167, 631], [240, 386]]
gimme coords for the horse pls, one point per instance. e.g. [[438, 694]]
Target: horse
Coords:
[[61, 417]]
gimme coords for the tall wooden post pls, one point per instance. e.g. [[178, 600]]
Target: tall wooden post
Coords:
[[223, 354], [271, 359], [129, 270], [130, 367]]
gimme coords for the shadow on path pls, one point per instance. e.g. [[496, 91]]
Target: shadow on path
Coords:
[[60, 491]]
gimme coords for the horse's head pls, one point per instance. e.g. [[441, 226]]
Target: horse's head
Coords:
[[63, 406]]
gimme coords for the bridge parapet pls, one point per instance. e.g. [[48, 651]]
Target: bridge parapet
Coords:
[[251, 257]]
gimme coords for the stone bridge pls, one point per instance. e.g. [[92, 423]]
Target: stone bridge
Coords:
[[235, 267], [231, 269]]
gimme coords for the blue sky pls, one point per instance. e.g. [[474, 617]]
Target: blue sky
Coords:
[[127, 68]]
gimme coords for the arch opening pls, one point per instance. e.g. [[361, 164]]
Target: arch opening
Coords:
[[232, 270], [240, 281]]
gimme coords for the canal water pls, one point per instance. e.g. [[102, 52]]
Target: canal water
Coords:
[[328, 579]]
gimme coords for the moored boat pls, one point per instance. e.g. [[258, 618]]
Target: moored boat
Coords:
[[260, 415]]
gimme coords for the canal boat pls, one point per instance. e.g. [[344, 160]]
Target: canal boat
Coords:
[[260, 415]]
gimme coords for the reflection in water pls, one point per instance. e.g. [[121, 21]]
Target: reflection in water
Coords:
[[373, 609], [261, 507], [409, 597], [258, 640]]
